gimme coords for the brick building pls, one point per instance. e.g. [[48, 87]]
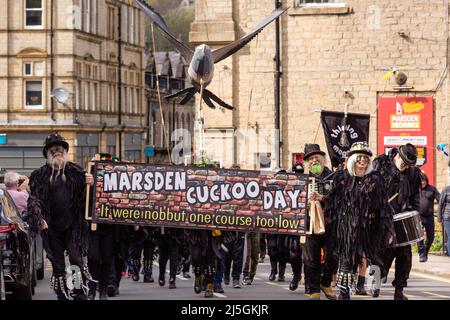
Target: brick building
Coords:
[[328, 48], [75, 45]]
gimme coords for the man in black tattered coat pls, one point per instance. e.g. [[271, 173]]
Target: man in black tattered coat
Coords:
[[56, 206], [401, 179]]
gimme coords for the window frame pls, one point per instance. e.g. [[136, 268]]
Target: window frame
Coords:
[[33, 107], [26, 10], [320, 4]]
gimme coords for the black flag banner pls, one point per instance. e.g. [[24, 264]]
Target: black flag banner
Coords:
[[342, 130]]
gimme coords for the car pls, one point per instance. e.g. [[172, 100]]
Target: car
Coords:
[[17, 252]]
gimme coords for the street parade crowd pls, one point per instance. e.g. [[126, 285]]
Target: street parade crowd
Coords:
[[358, 202]]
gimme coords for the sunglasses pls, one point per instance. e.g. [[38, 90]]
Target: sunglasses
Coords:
[[362, 158], [56, 149]]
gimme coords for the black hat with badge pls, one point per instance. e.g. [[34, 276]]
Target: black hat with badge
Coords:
[[52, 140], [408, 153], [312, 149], [359, 147]]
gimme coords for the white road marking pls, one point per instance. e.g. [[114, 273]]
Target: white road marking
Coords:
[[437, 295], [431, 277]]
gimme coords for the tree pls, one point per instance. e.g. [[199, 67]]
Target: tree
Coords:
[[178, 20]]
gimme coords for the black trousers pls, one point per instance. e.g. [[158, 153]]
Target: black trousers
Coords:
[[168, 251], [403, 264], [58, 242], [141, 240], [100, 258], [202, 253], [118, 266], [277, 247], [315, 273], [184, 254], [235, 256], [262, 245], [428, 224], [295, 255]]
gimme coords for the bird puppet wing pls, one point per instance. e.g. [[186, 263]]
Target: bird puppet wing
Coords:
[[156, 18], [228, 50]]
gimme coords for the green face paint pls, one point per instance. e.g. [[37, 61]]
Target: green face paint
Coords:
[[316, 168]]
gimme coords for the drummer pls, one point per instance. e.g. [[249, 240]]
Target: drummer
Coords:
[[361, 220], [401, 180]]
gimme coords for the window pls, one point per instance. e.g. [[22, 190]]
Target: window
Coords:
[[86, 95], [111, 23], [138, 101], [27, 69], [87, 147], [33, 14], [38, 71], [77, 94], [303, 2], [264, 160], [33, 95], [94, 96], [87, 15], [35, 68], [132, 13], [94, 16]]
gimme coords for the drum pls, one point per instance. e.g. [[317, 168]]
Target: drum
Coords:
[[408, 228]]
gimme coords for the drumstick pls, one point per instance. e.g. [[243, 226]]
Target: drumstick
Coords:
[[393, 197]]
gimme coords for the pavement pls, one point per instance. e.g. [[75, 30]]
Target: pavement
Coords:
[[437, 265]]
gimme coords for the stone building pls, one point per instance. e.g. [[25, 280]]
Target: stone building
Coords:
[[75, 45], [170, 69], [332, 53]]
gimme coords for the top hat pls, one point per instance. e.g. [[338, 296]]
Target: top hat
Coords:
[[359, 147], [311, 149], [54, 139], [408, 153]]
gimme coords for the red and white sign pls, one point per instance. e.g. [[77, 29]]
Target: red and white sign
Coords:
[[408, 120]]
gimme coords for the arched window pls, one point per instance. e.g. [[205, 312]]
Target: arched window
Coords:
[[183, 124]]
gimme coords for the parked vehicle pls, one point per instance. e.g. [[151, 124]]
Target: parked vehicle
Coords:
[[17, 251]]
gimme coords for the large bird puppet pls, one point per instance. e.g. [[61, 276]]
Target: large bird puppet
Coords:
[[202, 60]]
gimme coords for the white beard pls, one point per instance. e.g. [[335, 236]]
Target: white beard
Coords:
[[57, 164]]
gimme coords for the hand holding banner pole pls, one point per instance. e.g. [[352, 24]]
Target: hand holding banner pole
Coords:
[[88, 194]]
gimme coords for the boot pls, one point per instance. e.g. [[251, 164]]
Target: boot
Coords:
[[209, 292], [111, 290], [172, 283], [294, 283], [328, 291], [360, 290], [198, 279], [344, 293], [136, 265], [162, 279], [398, 295], [78, 294], [226, 279], [422, 258], [103, 293], [59, 286], [281, 274], [148, 273], [273, 271], [198, 284], [92, 290]]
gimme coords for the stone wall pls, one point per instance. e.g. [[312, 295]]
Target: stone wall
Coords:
[[326, 52]]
